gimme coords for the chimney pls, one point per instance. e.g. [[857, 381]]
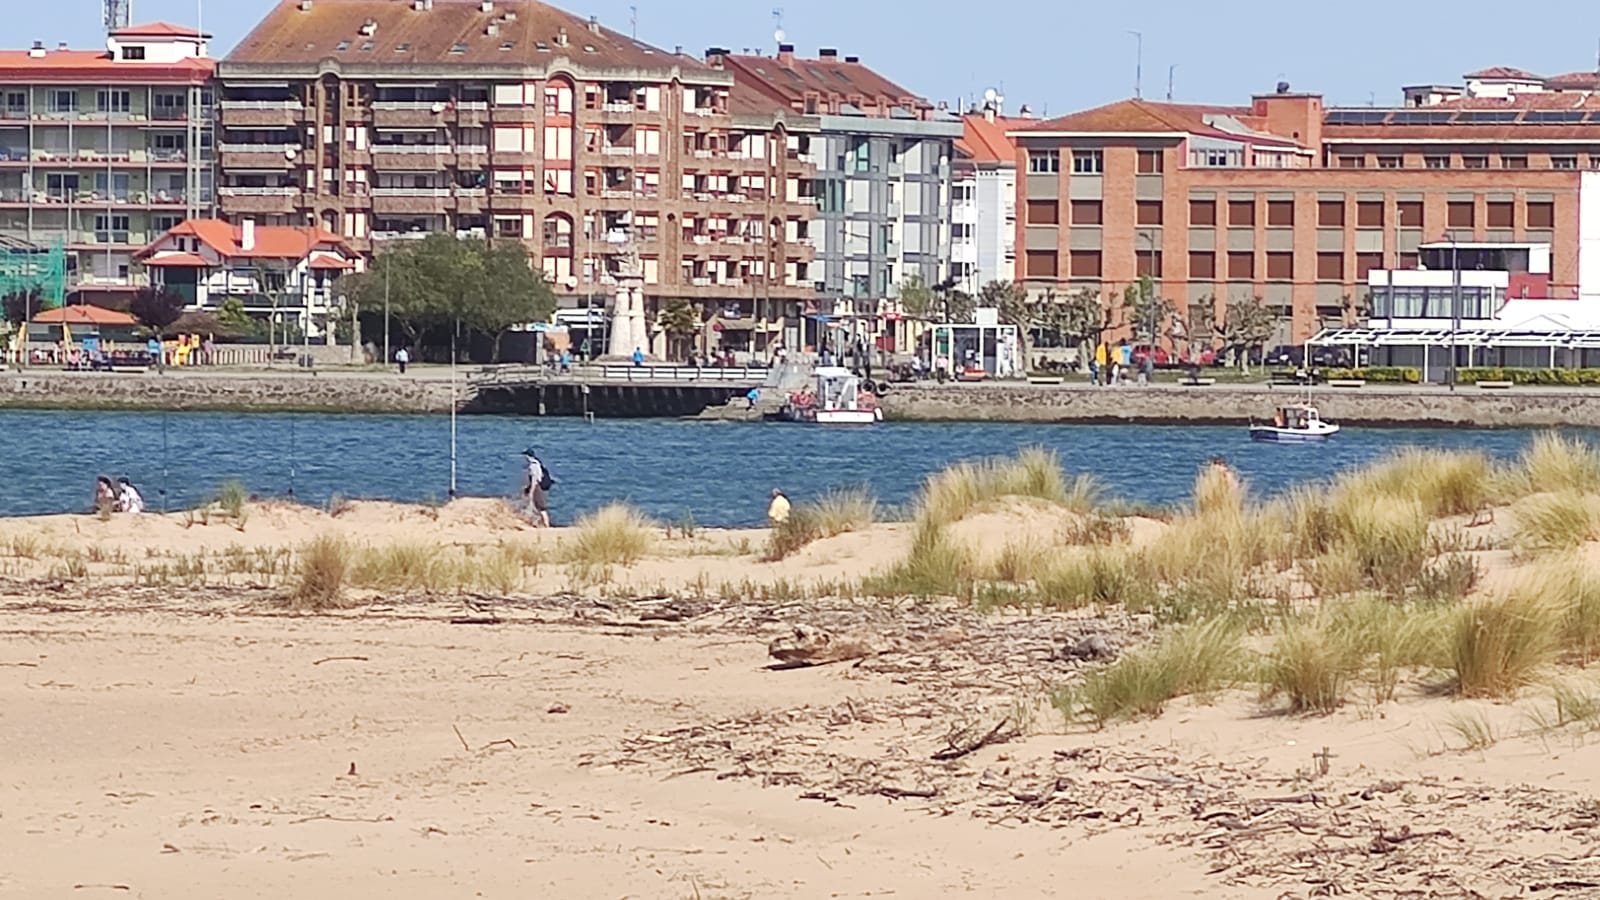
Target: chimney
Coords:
[[420, 5], [247, 235], [786, 53], [38, 50], [988, 112], [852, 59], [1294, 116], [305, 5], [1026, 111], [561, 38], [61, 46], [486, 6], [594, 24], [369, 28], [492, 29], [828, 53]]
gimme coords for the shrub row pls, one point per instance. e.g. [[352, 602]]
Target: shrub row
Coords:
[[1379, 374]]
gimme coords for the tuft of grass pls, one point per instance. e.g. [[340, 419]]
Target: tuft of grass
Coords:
[[1218, 492], [1095, 529], [614, 535], [1335, 573], [231, 497], [952, 494], [501, 573], [1499, 644], [1449, 579], [1558, 521], [834, 513], [1388, 537], [1098, 577], [1553, 462], [1575, 703], [1442, 482], [324, 567], [1198, 660], [1475, 729], [400, 567], [1387, 639], [1311, 663], [1022, 561], [936, 566]]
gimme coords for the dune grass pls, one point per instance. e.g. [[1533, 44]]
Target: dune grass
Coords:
[[613, 535], [955, 492], [1442, 482], [231, 497], [1197, 660], [936, 566], [1557, 521], [323, 568], [835, 512], [1554, 462], [1502, 643]]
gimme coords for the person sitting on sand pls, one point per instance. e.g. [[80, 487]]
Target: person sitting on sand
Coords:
[[105, 496], [535, 489], [129, 500], [778, 511]]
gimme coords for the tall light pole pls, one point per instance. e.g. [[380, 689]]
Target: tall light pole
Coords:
[[1138, 63], [386, 310], [1455, 305]]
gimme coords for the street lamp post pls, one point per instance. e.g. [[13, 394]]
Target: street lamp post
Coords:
[[386, 310], [1455, 305]]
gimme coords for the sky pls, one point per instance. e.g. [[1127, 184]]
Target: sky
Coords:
[[1056, 57]]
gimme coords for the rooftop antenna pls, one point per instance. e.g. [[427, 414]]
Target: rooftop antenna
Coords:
[[777, 25], [117, 14], [1138, 63], [633, 21], [1171, 71]]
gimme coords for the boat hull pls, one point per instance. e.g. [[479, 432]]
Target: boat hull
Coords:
[[834, 416], [1269, 434]]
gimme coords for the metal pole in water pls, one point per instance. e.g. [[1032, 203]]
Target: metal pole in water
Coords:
[[453, 403], [163, 460], [291, 457]]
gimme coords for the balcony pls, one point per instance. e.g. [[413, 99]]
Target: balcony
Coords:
[[408, 113], [112, 238], [259, 156], [281, 200], [261, 113], [411, 157], [413, 200], [617, 151]]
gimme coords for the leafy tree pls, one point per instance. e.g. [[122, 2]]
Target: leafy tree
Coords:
[[1356, 307], [935, 303], [156, 309], [680, 320], [1246, 325], [1015, 308], [232, 317], [16, 305], [1080, 314], [1147, 310]]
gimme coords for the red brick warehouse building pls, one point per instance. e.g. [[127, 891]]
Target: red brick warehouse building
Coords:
[[1295, 203]]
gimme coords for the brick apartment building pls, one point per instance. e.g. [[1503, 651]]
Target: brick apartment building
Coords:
[[102, 150], [380, 120], [1305, 206]]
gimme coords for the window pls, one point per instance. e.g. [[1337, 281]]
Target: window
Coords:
[[63, 101], [1474, 162], [1459, 214], [861, 154], [1500, 214], [1407, 261], [1513, 162], [1330, 213], [1369, 214], [1087, 162], [1280, 266], [1330, 266], [1541, 214], [1086, 264], [1390, 162], [1366, 262], [1041, 263], [960, 231], [1352, 162], [1202, 212], [1409, 213], [61, 186], [1280, 213], [1147, 263], [1436, 162], [112, 101], [16, 101], [1241, 212], [1044, 212], [133, 53], [1563, 162], [1241, 265], [1086, 212], [1147, 212], [1202, 265], [1043, 162], [1150, 162], [111, 229]]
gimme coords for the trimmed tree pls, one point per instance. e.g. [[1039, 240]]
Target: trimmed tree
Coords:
[[156, 309], [1246, 325], [680, 321]]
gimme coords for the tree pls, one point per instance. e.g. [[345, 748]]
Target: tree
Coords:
[[1014, 305], [934, 303], [1355, 307], [1247, 325], [1147, 310], [232, 317], [1080, 314], [680, 321], [156, 309], [16, 306]]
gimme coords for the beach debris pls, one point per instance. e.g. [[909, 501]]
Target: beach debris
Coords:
[[1093, 647], [969, 739], [558, 709], [329, 659], [806, 645]]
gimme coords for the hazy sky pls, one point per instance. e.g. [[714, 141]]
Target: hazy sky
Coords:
[[1052, 55]]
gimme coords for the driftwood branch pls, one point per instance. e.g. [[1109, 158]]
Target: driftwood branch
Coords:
[[962, 742], [327, 659]]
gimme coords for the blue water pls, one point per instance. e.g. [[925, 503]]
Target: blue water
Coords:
[[718, 473]]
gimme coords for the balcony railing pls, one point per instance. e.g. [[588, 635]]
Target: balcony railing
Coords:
[[473, 149], [263, 104], [408, 104], [616, 151], [419, 149], [411, 192], [237, 191], [258, 148], [618, 106]]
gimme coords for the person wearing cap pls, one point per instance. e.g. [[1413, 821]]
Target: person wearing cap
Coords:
[[778, 510], [535, 489]]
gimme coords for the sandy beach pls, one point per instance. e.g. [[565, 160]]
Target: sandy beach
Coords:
[[514, 721]]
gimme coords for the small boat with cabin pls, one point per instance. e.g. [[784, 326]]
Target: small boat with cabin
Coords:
[[837, 398], [1294, 423]]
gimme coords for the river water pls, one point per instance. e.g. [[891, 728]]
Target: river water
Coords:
[[718, 473]]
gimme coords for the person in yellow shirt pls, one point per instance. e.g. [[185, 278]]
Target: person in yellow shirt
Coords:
[[778, 510], [1101, 371]]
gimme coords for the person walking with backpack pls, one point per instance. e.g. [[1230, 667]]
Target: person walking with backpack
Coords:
[[536, 489]]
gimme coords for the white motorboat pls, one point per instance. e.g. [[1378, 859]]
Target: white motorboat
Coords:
[[838, 398], [1295, 423]]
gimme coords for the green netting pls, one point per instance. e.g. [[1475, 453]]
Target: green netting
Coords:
[[27, 267]]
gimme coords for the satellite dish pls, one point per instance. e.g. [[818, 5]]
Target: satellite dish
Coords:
[[438, 108], [112, 46], [290, 153], [779, 36], [990, 95]]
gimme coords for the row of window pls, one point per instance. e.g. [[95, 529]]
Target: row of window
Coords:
[[1463, 161], [1540, 214], [1419, 302], [1090, 162], [1237, 265]]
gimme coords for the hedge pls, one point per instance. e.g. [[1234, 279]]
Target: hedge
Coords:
[[1378, 375], [1568, 377]]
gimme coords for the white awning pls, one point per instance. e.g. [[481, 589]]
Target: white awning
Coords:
[[1463, 337]]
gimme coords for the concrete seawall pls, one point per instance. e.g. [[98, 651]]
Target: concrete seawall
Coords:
[[1232, 405], [225, 391]]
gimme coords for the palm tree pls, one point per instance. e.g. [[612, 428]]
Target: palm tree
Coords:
[[680, 320]]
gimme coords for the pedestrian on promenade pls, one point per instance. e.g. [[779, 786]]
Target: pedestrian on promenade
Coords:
[[401, 357], [638, 358], [536, 488], [778, 510]]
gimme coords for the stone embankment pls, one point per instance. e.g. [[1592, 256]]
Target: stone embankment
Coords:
[[190, 389], [1218, 404]]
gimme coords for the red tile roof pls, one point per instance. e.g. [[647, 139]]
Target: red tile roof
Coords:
[[159, 29], [791, 80], [403, 35], [177, 260], [985, 142], [1136, 116], [321, 260], [68, 66], [1574, 81], [83, 315], [272, 241], [1502, 73]]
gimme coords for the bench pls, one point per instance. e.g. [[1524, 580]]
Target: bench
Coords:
[[1494, 385], [1046, 379], [1347, 382], [1284, 377], [1198, 382]]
